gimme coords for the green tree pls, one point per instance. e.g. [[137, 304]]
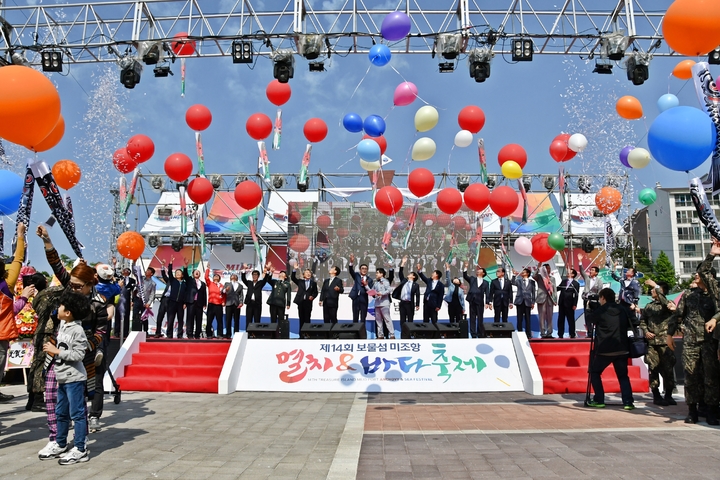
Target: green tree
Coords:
[[663, 270]]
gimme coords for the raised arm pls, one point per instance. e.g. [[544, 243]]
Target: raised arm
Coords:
[[13, 271], [52, 257]]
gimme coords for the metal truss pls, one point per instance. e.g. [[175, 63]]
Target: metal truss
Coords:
[[106, 31]]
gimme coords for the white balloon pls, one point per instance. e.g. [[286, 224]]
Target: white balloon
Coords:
[[638, 158], [463, 138], [369, 166], [423, 149], [577, 142]]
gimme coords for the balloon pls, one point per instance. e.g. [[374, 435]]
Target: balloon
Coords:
[[512, 151], [248, 194], [181, 46], [53, 137], [343, 232], [683, 70], [421, 182], [426, 118], [471, 118], [122, 161], [444, 219], [200, 190], [463, 139], [131, 245], [66, 173], [405, 94], [388, 200], [681, 138], [370, 166], [198, 117], [477, 197], [459, 222], [374, 125], [429, 219], [638, 158], [178, 167], [692, 27], [315, 130], [559, 150], [353, 123], [569, 155], [511, 170], [503, 201], [395, 26], [608, 200], [629, 108], [298, 243], [577, 142], [294, 217], [259, 126], [449, 200], [323, 221], [12, 187], [523, 246], [278, 93], [667, 102], [368, 150], [624, 155], [140, 148], [647, 196], [556, 241], [29, 105], [541, 250], [379, 140], [423, 149], [379, 55]]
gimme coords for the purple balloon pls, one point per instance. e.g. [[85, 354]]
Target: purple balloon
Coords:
[[395, 26], [624, 155]]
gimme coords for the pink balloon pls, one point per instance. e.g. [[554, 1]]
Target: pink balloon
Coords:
[[405, 94], [523, 246]]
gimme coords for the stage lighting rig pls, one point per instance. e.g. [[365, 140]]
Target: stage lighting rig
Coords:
[[603, 67], [284, 65], [18, 58], [584, 184], [491, 181], [278, 181], [613, 45], [177, 242], [237, 243], [446, 67], [162, 71], [242, 52], [153, 241], [130, 73], [157, 183], [527, 182], [637, 67], [216, 181], [449, 45], [522, 50], [151, 52], [463, 182], [310, 45], [714, 57], [549, 182], [479, 63]]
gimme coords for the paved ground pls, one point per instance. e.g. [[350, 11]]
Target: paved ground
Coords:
[[369, 436]]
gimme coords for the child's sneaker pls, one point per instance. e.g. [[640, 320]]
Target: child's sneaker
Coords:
[[94, 424], [52, 450], [99, 357], [75, 456]]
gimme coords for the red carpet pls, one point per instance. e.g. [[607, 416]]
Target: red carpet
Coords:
[[564, 364], [176, 366]]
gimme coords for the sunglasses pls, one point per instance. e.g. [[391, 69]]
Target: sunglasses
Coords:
[[76, 286]]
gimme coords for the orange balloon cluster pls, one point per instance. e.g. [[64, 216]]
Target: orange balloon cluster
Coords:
[[131, 245], [692, 27], [66, 173], [608, 200]]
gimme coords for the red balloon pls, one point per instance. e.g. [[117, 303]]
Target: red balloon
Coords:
[[504, 201], [140, 148], [477, 197], [407, 212], [449, 200], [294, 217], [356, 220], [459, 222], [323, 221], [541, 250], [200, 190], [248, 194], [178, 167], [388, 200], [181, 46], [298, 243], [259, 126], [512, 151], [315, 130], [429, 219], [343, 232], [123, 162], [471, 118], [569, 154], [278, 93], [379, 140], [443, 220], [198, 117], [558, 150], [421, 182]]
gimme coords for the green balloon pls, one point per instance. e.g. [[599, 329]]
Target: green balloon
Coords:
[[647, 196], [556, 241]]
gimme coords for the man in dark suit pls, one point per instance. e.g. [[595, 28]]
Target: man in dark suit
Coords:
[[500, 295], [195, 302], [306, 292], [358, 294], [128, 284], [233, 304], [329, 294], [434, 293], [524, 300], [408, 292], [253, 298], [567, 303], [476, 297]]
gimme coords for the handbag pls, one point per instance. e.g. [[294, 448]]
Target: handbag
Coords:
[[638, 345]]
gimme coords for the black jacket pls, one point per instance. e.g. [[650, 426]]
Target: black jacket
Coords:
[[612, 322], [177, 288], [192, 290], [498, 296], [568, 297], [328, 295], [476, 295], [357, 290], [303, 295], [254, 292], [433, 297], [414, 290]]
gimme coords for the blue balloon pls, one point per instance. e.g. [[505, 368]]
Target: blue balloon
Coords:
[[369, 150], [374, 125], [379, 55], [12, 187], [353, 123], [667, 101], [682, 138]]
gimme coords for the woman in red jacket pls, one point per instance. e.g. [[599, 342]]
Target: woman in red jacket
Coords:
[[216, 301]]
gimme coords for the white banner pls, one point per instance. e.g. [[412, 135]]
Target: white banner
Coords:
[[164, 223], [276, 213], [581, 206], [442, 365]]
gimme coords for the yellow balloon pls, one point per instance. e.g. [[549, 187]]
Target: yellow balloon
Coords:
[[426, 118], [423, 149], [511, 169], [369, 166]]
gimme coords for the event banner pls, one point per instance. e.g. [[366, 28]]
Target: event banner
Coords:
[[441, 365]]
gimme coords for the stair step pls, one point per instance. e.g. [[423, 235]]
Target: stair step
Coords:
[[562, 360], [179, 359], [185, 347], [155, 384], [173, 371]]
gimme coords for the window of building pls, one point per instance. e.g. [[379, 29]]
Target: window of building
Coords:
[[683, 200]]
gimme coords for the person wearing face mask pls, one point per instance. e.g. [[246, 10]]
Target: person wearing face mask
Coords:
[[195, 301], [176, 299], [455, 297]]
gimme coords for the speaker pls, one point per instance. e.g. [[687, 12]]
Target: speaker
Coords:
[[263, 330], [464, 328], [448, 330], [419, 330], [316, 330], [499, 329], [348, 331], [284, 327]]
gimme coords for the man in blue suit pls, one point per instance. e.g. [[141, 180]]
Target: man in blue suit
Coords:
[[500, 296], [358, 293], [434, 293], [477, 293]]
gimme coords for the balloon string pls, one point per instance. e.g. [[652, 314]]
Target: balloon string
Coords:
[[450, 155], [389, 112], [408, 158], [356, 89], [404, 80], [348, 161]]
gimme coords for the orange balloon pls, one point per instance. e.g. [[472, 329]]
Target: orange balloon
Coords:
[[131, 245], [608, 200], [629, 107], [53, 139], [683, 70], [692, 27], [67, 174], [29, 105]]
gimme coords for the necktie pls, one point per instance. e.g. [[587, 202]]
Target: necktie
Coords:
[[501, 284]]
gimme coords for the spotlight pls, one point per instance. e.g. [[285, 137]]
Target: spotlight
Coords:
[[446, 67], [597, 213], [284, 67], [177, 242], [162, 71], [242, 52], [449, 45], [527, 182], [637, 68], [613, 45], [237, 243], [164, 213], [239, 179], [51, 61], [303, 186], [130, 74], [603, 67], [216, 181], [317, 66], [278, 181], [151, 56], [479, 63], [549, 182], [584, 184], [310, 45], [463, 182], [157, 183], [522, 50], [491, 181], [184, 183], [18, 58], [153, 241], [587, 245], [714, 57], [613, 181]]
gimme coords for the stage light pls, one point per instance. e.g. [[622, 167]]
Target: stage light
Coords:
[[491, 181], [584, 184], [237, 243], [613, 181], [151, 54], [216, 181], [164, 213], [177, 242], [284, 65], [549, 182], [130, 73], [587, 245], [240, 178], [603, 67], [637, 68], [302, 186], [242, 52], [52, 61], [278, 181], [479, 63], [527, 182], [463, 182], [157, 183], [613, 45], [162, 71], [446, 67], [597, 213], [316, 66], [714, 57], [310, 45], [153, 241], [449, 45], [522, 50], [18, 58]]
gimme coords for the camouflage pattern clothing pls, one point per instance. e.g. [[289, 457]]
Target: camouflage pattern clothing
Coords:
[[660, 358]]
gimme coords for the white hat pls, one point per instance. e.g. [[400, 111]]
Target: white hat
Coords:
[[104, 271]]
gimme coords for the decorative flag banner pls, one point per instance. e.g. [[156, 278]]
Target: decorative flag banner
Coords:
[[453, 246], [483, 162], [200, 154], [129, 194], [256, 243], [704, 210], [373, 181], [387, 238], [26, 200], [263, 162], [2, 238], [478, 237], [183, 208], [524, 196], [140, 275], [609, 242], [411, 225], [277, 130], [305, 164], [201, 229], [561, 187], [122, 192], [709, 98], [182, 77], [502, 246]]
